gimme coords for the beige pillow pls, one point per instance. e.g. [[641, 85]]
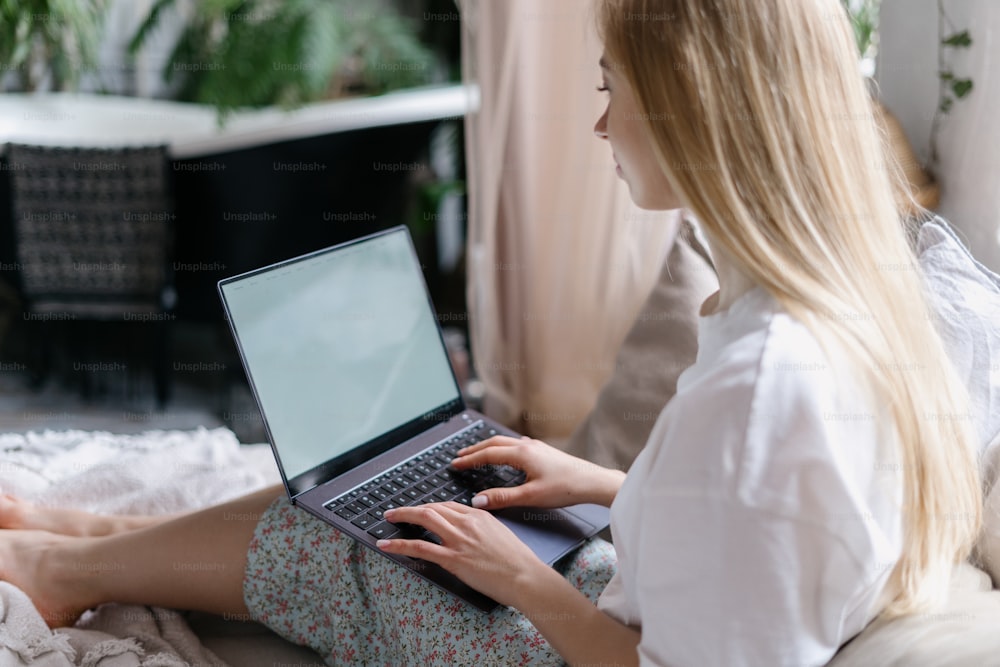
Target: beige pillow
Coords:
[[961, 632], [662, 342]]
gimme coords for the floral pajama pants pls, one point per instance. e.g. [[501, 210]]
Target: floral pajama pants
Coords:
[[318, 588]]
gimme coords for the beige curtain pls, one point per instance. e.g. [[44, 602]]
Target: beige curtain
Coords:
[[559, 260]]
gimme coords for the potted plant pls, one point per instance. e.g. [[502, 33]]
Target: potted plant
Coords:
[[253, 53], [49, 40]]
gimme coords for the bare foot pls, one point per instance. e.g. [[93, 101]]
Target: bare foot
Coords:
[[24, 515], [30, 560]]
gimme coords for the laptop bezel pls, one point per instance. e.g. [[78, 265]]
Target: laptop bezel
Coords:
[[352, 458]]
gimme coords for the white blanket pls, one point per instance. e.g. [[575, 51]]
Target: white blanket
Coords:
[[150, 473]]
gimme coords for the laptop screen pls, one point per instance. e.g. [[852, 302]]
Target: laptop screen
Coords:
[[342, 346]]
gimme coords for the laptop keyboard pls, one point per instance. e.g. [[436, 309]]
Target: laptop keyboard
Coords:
[[426, 478]]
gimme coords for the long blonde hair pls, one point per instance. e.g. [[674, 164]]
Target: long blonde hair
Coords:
[[762, 124]]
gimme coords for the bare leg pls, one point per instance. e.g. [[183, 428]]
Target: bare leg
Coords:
[[195, 561], [21, 514], [16, 513]]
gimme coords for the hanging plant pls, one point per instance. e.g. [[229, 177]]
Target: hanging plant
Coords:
[[951, 87]]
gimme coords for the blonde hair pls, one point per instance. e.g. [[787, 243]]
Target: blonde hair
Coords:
[[771, 141]]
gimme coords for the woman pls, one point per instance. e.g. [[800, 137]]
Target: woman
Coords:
[[805, 478]]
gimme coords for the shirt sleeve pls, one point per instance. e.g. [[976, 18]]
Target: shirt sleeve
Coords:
[[725, 585], [764, 532]]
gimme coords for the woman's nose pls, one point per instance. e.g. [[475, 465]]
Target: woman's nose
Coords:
[[601, 127]]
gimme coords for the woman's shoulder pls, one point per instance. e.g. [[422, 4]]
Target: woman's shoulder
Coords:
[[768, 405], [754, 343]]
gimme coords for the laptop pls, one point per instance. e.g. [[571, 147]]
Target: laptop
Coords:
[[347, 363]]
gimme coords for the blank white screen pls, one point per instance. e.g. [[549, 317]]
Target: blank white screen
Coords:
[[341, 347]]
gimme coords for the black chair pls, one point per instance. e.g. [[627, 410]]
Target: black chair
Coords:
[[93, 233]]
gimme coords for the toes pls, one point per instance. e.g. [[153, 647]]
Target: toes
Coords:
[[12, 511]]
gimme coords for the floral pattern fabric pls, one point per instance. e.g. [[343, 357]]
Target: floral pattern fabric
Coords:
[[318, 588]]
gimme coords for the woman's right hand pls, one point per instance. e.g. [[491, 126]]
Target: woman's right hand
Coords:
[[553, 478]]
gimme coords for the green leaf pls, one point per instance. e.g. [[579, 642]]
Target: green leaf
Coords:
[[148, 25], [946, 104], [251, 53], [959, 40], [946, 76], [864, 17], [962, 87]]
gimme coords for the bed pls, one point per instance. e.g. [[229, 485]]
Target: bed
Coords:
[[151, 473]]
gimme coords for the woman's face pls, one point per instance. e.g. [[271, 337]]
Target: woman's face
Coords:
[[621, 125]]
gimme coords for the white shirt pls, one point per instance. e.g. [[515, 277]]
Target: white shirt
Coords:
[[761, 521]]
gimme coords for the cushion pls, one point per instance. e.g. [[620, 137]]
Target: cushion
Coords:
[[662, 342], [965, 298], [962, 632]]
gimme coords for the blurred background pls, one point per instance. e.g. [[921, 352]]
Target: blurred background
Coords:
[[215, 137], [156, 146]]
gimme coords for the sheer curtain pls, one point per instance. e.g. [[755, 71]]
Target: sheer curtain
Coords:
[[969, 142], [559, 260]]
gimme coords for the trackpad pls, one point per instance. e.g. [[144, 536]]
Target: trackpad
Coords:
[[550, 533]]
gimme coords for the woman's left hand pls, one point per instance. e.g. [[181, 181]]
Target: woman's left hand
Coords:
[[475, 546]]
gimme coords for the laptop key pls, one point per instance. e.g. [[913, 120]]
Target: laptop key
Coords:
[[364, 521], [441, 494], [376, 513], [506, 474], [367, 500], [391, 488], [430, 537], [409, 530], [402, 500], [413, 475], [345, 514], [383, 531], [357, 507], [423, 487], [389, 505], [379, 494]]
